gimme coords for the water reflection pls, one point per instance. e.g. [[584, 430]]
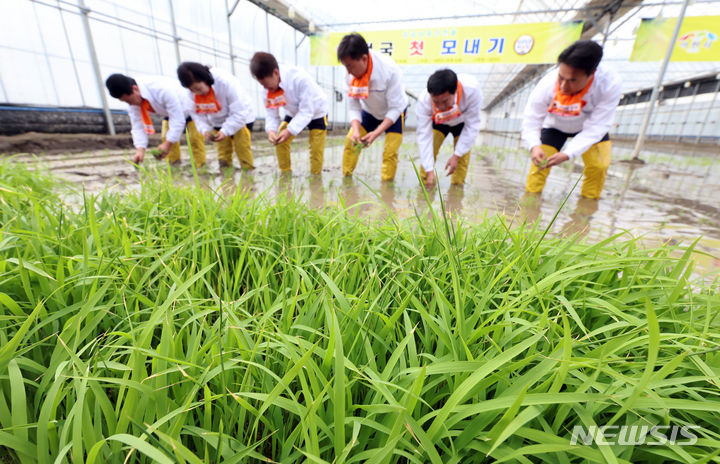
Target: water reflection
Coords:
[[454, 199], [670, 198], [578, 223], [316, 190], [530, 206]]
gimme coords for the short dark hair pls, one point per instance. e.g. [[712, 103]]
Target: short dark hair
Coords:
[[119, 85], [441, 81], [583, 54], [353, 46], [262, 65], [190, 72]]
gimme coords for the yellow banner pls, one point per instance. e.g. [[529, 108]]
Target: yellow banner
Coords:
[[697, 40], [514, 43]]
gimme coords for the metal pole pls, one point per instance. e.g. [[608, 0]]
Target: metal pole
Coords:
[[661, 75], [230, 45], [158, 55], [669, 113], [687, 113], [45, 54], [96, 66], [2, 90], [176, 37], [710, 107], [656, 125], [72, 56], [607, 28], [267, 30], [334, 99], [618, 119], [295, 43]]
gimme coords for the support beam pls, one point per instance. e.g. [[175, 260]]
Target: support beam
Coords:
[[617, 8], [658, 84], [72, 57], [228, 14], [606, 34], [176, 37], [96, 66], [709, 110], [267, 30], [690, 107], [232, 10], [281, 10]]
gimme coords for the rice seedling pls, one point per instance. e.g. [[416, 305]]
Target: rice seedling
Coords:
[[166, 325], [357, 147]]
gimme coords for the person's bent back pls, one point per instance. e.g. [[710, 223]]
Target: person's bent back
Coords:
[[162, 96]]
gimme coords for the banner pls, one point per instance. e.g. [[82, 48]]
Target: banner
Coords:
[[697, 40], [535, 43]]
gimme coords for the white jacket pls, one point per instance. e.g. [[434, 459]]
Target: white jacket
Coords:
[[236, 108], [594, 121], [470, 107], [305, 101], [169, 99], [387, 94]]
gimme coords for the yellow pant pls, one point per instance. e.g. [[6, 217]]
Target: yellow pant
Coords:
[[240, 141], [596, 160], [197, 144], [458, 177], [317, 150], [393, 140]]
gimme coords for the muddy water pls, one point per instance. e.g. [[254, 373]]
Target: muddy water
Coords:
[[670, 199]]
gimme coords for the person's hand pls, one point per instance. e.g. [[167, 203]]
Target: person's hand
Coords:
[[537, 154], [220, 135], [272, 137], [355, 137], [164, 149], [452, 164], [556, 159], [139, 156], [283, 136], [430, 179], [370, 138], [208, 135]]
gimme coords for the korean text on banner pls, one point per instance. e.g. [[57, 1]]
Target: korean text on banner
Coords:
[[536, 43]]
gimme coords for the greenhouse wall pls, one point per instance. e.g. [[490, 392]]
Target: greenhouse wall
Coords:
[[47, 63]]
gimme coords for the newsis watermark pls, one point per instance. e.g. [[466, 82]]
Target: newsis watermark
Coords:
[[633, 435]]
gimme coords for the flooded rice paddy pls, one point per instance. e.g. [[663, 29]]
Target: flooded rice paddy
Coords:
[[672, 198]]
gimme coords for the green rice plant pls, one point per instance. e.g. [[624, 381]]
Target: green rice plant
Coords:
[[175, 324], [357, 147]]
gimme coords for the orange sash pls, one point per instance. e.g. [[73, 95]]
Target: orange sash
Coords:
[[441, 117], [569, 105], [207, 103], [145, 110], [275, 99], [360, 88]]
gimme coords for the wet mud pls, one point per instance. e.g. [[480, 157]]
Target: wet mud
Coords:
[[671, 199]]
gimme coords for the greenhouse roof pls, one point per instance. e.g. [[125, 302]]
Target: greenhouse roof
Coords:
[[498, 79]]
